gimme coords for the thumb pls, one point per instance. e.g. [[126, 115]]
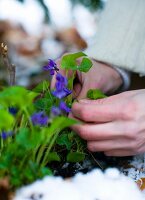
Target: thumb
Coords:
[[83, 92]]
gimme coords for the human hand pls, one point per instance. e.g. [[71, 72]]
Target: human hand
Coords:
[[113, 125], [100, 76]]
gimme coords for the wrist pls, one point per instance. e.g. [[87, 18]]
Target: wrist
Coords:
[[125, 75]]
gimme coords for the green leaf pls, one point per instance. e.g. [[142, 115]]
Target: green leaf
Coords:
[[85, 65], [6, 120], [30, 140], [53, 156], [42, 87], [59, 123], [6, 161], [16, 95], [95, 94], [2, 107], [48, 95], [45, 171], [43, 104], [31, 96], [63, 139], [14, 174], [23, 138], [69, 61], [75, 157]]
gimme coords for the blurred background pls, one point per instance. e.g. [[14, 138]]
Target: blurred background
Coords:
[[36, 30]]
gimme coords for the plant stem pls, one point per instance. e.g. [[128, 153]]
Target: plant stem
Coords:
[[43, 147], [96, 161], [40, 153], [49, 148], [23, 161], [70, 86], [28, 117], [2, 145], [10, 67]]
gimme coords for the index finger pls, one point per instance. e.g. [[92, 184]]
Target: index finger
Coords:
[[97, 111]]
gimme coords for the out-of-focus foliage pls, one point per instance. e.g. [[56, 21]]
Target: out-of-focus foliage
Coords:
[[44, 7], [91, 4]]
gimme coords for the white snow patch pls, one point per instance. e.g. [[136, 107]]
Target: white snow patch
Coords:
[[29, 14], [137, 169], [110, 185], [60, 13]]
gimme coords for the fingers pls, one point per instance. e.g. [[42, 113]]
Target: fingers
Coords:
[[83, 91], [112, 138], [119, 153], [76, 90], [110, 145], [102, 110], [104, 131]]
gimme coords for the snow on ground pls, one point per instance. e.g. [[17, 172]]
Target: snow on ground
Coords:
[[29, 14], [136, 168], [110, 185]]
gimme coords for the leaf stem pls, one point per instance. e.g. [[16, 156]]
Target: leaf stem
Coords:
[[28, 117], [49, 148]]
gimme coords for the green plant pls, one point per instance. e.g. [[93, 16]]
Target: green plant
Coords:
[[34, 126]]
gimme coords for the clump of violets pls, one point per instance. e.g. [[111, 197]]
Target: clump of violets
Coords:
[[61, 91], [40, 119]]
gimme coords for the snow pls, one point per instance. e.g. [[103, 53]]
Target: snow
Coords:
[[85, 21], [137, 168], [110, 185], [29, 14], [60, 13]]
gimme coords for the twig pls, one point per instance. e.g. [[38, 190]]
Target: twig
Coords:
[[96, 161], [10, 67]]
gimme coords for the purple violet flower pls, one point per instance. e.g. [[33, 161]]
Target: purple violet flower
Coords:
[[55, 111], [61, 90], [13, 110], [61, 79], [39, 118], [51, 67], [62, 93], [5, 134], [64, 107], [67, 91]]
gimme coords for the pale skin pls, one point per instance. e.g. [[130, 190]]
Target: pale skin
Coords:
[[114, 125]]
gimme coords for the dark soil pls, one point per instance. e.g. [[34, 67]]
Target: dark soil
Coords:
[[97, 160]]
